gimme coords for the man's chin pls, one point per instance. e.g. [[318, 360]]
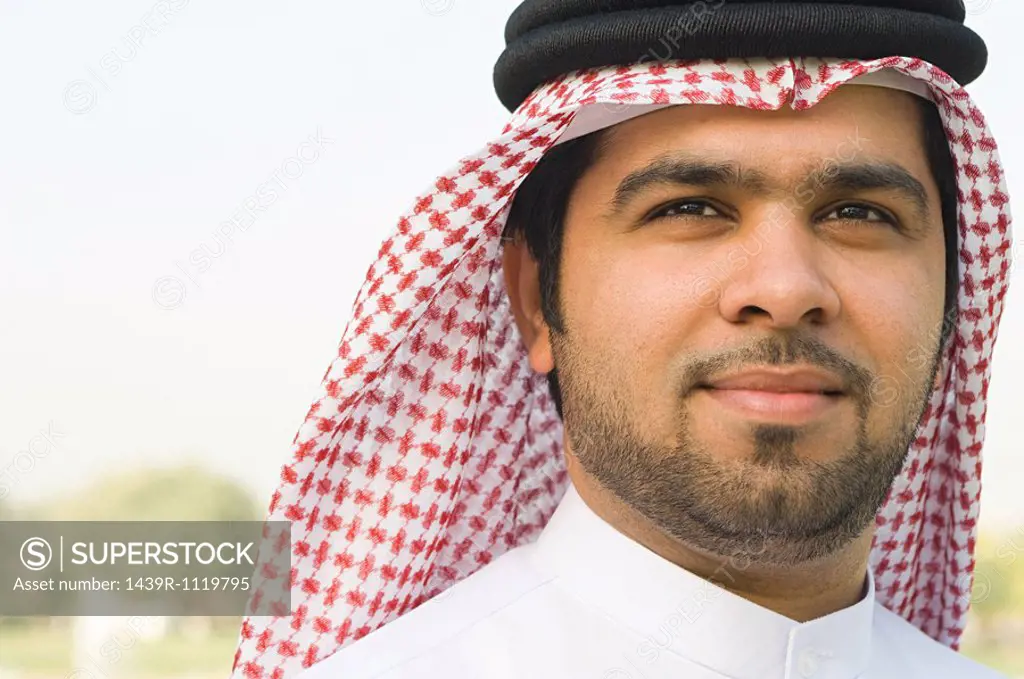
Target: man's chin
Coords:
[[772, 502], [771, 534], [742, 444]]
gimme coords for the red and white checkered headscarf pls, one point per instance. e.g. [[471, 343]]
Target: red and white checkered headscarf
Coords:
[[435, 448]]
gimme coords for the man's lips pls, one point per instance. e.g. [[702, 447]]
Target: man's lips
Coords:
[[778, 396], [779, 382]]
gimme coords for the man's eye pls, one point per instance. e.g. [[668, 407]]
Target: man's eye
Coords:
[[859, 213], [686, 208]]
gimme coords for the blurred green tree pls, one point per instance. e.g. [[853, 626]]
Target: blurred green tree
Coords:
[[184, 493], [998, 592]]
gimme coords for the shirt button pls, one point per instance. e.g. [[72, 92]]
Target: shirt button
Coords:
[[808, 662]]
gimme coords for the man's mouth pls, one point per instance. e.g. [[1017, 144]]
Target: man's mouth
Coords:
[[791, 396], [779, 381]]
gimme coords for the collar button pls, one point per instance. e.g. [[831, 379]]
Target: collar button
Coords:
[[809, 662]]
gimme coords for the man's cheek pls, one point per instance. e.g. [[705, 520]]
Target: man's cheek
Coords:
[[640, 314], [705, 291], [904, 371]]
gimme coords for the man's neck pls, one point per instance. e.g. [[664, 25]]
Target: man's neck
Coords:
[[800, 592]]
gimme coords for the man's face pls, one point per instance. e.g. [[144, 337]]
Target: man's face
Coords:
[[752, 304]]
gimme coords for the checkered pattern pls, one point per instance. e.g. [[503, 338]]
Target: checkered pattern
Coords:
[[434, 448]]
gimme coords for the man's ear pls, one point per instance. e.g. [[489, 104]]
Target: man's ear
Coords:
[[522, 281]]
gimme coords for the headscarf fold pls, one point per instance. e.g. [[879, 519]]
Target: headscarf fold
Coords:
[[434, 448]]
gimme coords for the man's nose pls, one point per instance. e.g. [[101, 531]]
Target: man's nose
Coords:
[[779, 280]]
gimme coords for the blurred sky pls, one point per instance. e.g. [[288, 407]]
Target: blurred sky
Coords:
[[115, 169]]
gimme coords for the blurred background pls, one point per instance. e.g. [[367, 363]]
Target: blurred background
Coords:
[[154, 368]]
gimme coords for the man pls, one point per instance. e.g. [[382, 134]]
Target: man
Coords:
[[683, 376]]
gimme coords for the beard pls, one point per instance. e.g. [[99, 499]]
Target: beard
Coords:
[[773, 508]]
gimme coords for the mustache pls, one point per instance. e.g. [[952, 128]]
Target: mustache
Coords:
[[780, 350]]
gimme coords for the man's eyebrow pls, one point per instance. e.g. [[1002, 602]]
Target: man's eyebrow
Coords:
[[685, 171], [692, 171], [885, 176]]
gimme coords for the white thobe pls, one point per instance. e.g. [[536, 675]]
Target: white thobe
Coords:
[[585, 602]]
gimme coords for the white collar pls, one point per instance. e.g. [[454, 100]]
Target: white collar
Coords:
[[679, 612]]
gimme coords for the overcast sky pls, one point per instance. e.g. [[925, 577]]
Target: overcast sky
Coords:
[[120, 159]]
